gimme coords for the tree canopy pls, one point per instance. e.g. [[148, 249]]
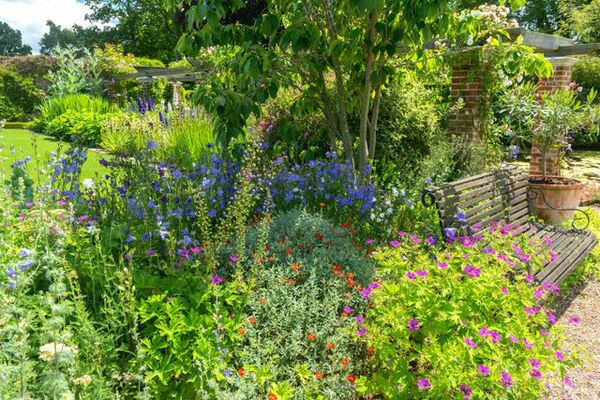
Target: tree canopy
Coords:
[[11, 42]]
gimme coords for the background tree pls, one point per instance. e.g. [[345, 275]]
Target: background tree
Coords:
[[76, 36], [11, 43]]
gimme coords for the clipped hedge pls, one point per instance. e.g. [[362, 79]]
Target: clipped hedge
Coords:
[[18, 96]]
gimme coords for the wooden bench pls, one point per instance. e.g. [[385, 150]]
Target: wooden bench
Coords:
[[504, 196]]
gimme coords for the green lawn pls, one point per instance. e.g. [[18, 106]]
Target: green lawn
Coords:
[[25, 144]]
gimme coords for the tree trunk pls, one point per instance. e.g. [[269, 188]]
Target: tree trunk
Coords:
[[374, 119], [366, 97]]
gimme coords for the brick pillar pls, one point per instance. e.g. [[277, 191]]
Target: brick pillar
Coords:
[[467, 85], [560, 79]]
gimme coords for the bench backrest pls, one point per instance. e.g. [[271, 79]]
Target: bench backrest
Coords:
[[493, 196]]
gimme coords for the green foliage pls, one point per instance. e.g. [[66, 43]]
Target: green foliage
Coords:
[[301, 43], [18, 96], [549, 122], [187, 140], [82, 126], [76, 73], [126, 133], [113, 61], [54, 107], [35, 67], [11, 43], [432, 320]]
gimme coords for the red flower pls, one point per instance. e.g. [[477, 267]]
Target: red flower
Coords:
[[241, 331], [351, 378], [311, 337], [241, 372], [345, 362], [318, 375], [330, 345], [252, 320]]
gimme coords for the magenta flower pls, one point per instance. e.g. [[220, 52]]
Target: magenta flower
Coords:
[[369, 241], [514, 339], [422, 273], [150, 252], [413, 325], [504, 290], [535, 373], [215, 280], [359, 320], [233, 258], [361, 332], [466, 391], [534, 363], [529, 277], [568, 382], [410, 275], [348, 309], [395, 243], [472, 272], [560, 356], [506, 379], [401, 233], [424, 384], [470, 343], [483, 370], [573, 319], [528, 345], [442, 264]]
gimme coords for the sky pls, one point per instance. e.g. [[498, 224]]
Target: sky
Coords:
[[30, 16]]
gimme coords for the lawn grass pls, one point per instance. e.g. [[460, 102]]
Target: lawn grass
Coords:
[[25, 144]]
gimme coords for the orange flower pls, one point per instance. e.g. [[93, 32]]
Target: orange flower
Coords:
[[300, 246], [344, 314], [330, 345], [262, 301], [296, 267], [283, 280], [309, 246], [350, 275], [311, 337], [343, 275], [272, 396], [345, 362], [288, 253], [322, 204], [350, 282], [241, 331], [351, 378], [252, 320], [241, 372], [271, 258], [292, 281], [318, 375], [370, 350]]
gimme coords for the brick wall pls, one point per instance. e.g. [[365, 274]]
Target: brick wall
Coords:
[[561, 79], [466, 85]]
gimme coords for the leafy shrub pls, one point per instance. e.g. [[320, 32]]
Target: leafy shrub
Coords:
[[81, 126], [586, 72], [34, 67], [463, 321], [55, 107], [18, 96], [126, 133], [408, 127]]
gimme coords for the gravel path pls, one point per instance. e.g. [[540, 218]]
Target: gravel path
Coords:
[[583, 302]]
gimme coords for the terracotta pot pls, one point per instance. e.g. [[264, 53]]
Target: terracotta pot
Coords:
[[557, 196]]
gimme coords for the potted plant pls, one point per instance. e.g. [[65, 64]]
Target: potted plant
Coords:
[[547, 122]]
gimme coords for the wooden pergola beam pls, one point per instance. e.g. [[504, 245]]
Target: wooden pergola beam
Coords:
[[578, 49]]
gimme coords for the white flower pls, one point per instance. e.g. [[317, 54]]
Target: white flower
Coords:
[[49, 350], [89, 183]]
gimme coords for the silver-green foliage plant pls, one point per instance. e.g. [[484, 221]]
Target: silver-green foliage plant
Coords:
[[78, 72]]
